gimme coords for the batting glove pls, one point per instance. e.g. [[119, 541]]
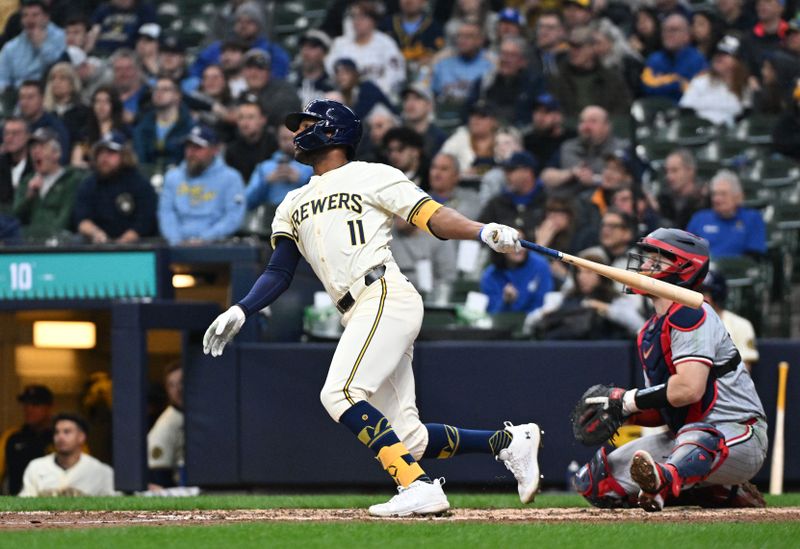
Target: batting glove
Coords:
[[222, 330], [501, 238]]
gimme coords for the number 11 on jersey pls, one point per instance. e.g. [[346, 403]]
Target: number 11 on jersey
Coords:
[[356, 239]]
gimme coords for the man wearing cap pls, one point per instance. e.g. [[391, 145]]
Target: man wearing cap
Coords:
[[511, 86], [310, 78], [278, 97], [377, 56], [20, 445], [172, 62], [417, 114], [30, 54], [158, 137], [522, 202], [254, 142], [359, 94], [418, 34], [249, 28], [68, 471], [115, 203], [577, 13], [582, 80], [203, 198], [115, 24], [547, 131], [767, 35], [30, 104], [146, 48], [44, 201]]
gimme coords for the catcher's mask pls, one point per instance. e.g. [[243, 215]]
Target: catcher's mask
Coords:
[[671, 255]]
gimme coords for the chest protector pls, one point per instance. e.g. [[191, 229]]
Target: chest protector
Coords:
[[655, 355]]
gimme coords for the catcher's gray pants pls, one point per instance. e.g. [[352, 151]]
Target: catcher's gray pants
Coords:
[[747, 449]]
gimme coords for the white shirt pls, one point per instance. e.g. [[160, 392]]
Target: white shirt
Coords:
[[16, 171], [378, 60], [88, 477], [712, 100], [742, 334], [48, 181], [165, 441], [342, 220]]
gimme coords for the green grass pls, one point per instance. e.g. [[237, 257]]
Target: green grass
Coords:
[[441, 535]]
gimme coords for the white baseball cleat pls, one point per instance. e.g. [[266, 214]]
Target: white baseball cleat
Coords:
[[521, 458], [420, 498], [644, 472]]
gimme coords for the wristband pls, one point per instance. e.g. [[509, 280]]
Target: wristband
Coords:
[[652, 398]]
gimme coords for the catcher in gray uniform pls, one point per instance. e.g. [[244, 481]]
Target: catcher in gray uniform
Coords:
[[695, 383]]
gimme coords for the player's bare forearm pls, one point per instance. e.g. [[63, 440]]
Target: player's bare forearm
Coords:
[[449, 224]]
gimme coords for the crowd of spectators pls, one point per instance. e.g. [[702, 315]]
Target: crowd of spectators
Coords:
[[116, 129]]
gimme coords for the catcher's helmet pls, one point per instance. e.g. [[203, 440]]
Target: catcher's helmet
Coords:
[[336, 125], [687, 252]]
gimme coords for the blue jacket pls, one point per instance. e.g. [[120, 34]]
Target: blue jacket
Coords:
[[744, 233], [207, 207], [453, 76], [260, 191], [145, 140], [532, 280], [210, 56], [20, 60], [668, 74]]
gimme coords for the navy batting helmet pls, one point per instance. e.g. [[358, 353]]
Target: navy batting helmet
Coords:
[[336, 125], [715, 285], [688, 254]]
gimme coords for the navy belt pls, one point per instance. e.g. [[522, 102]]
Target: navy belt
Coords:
[[348, 300]]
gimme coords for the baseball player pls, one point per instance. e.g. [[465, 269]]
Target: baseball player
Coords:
[[68, 471], [696, 384], [340, 222]]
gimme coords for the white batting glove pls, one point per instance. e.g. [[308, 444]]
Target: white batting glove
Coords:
[[222, 330], [501, 238]]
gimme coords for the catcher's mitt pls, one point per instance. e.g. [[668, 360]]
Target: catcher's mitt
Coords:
[[597, 415]]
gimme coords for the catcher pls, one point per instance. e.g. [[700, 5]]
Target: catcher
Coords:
[[695, 383]]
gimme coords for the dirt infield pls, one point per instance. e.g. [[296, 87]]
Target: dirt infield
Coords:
[[96, 519]]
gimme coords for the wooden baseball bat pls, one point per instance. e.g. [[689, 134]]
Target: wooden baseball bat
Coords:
[[776, 469], [647, 284]]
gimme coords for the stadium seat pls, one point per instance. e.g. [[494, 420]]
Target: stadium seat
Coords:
[[654, 152], [258, 222], [748, 286], [651, 114], [729, 152], [755, 129], [689, 130]]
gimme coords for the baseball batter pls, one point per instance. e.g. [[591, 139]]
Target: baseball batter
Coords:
[[340, 222], [696, 384]]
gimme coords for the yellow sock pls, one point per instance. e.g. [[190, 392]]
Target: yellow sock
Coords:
[[401, 466]]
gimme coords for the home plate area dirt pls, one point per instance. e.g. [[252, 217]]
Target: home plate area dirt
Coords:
[[96, 519]]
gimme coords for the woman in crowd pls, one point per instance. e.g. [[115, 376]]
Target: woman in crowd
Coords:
[[62, 98], [646, 35], [706, 31], [105, 114], [616, 54], [214, 105], [722, 94]]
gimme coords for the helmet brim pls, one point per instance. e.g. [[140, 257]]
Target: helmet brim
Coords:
[[293, 119]]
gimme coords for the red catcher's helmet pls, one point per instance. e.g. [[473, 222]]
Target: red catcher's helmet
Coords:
[[688, 252]]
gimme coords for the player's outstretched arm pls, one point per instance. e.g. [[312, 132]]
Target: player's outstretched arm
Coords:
[[272, 283], [449, 224]]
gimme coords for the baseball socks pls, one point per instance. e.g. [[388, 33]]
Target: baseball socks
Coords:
[[445, 441], [375, 432]]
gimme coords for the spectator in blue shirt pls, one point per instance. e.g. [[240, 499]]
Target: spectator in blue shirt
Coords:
[[203, 198], [731, 230], [248, 28], [115, 24], [40, 44], [669, 70], [453, 76], [275, 177], [516, 282]]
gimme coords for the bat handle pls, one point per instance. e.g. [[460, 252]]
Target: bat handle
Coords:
[[540, 249]]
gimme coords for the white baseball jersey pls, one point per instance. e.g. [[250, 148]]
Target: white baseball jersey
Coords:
[[341, 221], [88, 477], [165, 441]]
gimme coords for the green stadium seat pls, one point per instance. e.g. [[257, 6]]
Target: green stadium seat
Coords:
[[756, 129], [689, 130], [651, 114], [258, 222], [654, 152]]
